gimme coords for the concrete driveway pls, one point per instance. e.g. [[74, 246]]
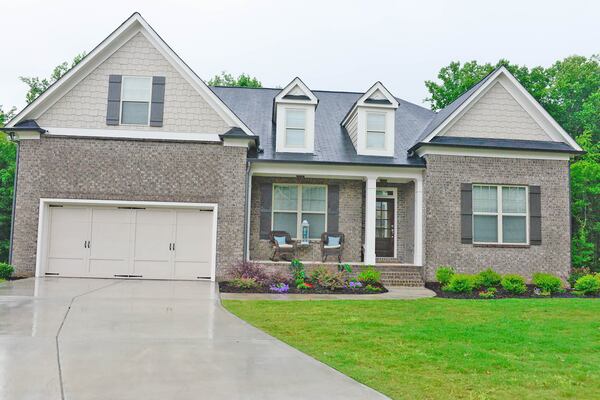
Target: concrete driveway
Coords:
[[67, 338]]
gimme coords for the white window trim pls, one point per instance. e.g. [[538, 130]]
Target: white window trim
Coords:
[[388, 149], [499, 214], [384, 131], [303, 145], [149, 78], [309, 128], [298, 211]]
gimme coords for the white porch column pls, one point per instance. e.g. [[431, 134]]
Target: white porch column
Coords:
[[418, 247], [370, 204]]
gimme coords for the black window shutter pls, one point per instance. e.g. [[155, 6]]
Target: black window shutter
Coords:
[[535, 215], [466, 213], [113, 109], [266, 199], [333, 208], [158, 101]]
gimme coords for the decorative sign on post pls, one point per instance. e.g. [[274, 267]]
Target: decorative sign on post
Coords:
[[305, 231]]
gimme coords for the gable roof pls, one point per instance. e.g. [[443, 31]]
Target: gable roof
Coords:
[[388, 101], [287, 95], [332, 142], [129, 28], [454, 110]]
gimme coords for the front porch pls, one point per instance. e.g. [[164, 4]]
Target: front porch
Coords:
[[377, 209]]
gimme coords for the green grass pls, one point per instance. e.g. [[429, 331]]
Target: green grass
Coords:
[[446, 349]]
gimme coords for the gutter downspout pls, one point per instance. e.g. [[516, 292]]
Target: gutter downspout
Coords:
[[14, 203], [246, 210]]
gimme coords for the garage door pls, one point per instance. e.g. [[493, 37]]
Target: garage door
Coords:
[[150, 243]]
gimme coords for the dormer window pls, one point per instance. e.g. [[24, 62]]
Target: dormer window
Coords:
[[371, 122], [295, 127], [375, 130], [294, 117], [136, 96]]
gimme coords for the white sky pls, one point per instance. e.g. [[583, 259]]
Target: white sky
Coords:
[[334, 45]]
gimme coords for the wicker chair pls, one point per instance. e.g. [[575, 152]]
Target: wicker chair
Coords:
[[331, 250], [286, 251]]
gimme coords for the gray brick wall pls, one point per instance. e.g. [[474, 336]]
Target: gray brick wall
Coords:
[[84, 106], [442, 215], [79, 168]]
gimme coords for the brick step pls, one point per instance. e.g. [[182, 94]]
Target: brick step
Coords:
[[402, 278]]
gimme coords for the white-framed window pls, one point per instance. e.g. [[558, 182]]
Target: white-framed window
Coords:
[[136, 96], [375, 130], [294, 203], [295, 127], [500, 214]]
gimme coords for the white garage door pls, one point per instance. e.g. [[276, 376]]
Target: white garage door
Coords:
[[150, 243]]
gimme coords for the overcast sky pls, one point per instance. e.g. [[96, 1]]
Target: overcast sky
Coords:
[[334, 45]]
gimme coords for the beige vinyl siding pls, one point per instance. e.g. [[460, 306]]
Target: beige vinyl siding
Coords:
[[352, 128]]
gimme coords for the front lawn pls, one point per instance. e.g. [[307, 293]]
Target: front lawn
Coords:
[[446, 349]]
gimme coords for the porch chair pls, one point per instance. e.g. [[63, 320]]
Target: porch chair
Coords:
[[285, 250], [332, 244]]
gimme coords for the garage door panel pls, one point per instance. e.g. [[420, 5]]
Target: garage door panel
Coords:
[[110, 242], [152, 248], [193, 236], [192, 270], [69, 229]]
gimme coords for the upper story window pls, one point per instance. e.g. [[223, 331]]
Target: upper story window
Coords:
[[375, 130], [295, 127], [500, 214], [136, 96]]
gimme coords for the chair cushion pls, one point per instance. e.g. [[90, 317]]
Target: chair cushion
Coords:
[[280, 240], [285, 246], [329, 246], [333, 241]]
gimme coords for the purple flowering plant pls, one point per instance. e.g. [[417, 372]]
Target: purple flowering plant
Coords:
[[354, 285], [279, 287]]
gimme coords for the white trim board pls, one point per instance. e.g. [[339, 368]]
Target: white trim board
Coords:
[[134, 134], [127, 30], [493, 153], [44, 211], [522, 96]]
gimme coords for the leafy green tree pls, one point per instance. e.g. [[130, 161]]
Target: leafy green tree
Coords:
[[570, 91], [7, 173], [227, 79], [37, 86]]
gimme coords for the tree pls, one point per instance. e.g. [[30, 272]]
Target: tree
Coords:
[[37, 86], [227, 79], [7, 173], [570, 91]]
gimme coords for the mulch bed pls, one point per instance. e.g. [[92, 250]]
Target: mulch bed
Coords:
[[226, 287], [501, 293]]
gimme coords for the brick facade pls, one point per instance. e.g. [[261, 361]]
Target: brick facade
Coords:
[[78, 168], [444, 176]]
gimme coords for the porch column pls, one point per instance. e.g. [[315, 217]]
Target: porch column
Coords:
[[370, 204], [418, 246]]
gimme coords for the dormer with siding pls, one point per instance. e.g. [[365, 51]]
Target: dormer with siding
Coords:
[[294, 117]]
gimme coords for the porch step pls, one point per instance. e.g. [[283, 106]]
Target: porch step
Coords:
[[401, 276]]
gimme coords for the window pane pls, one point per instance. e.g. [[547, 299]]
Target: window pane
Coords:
[[375, 140], [295, 119], [294, 137], [513, 229], [285, 222], [285, 197], [313, 198], [513, 200], [316, 224], [135, 113], [485, 228], [375, 122], [137, 88], [485, 199]]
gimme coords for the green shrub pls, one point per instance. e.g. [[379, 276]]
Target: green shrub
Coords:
[[577, 273], [461, 283], [514, 283], [244, 283], [488, 278], [547, 283], [444, 274], [490, 293], [297, 270], [587, 284], [369, 276], [6, 270], [327, 279], [372, 289]]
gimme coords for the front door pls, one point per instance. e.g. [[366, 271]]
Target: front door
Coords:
[[384, 228]]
